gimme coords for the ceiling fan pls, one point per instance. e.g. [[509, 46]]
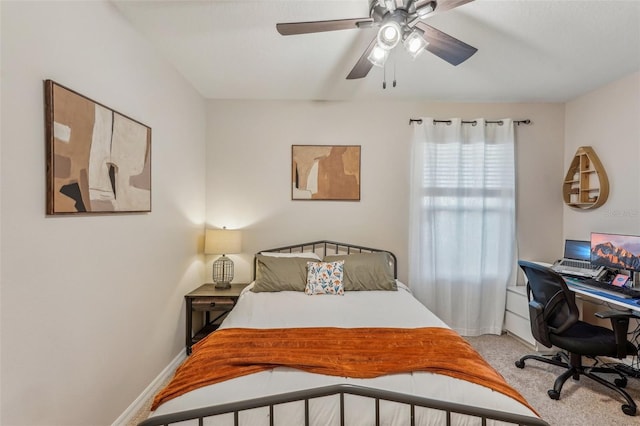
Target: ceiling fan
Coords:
[[397, 20]]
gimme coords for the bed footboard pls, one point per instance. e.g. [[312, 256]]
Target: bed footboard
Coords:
[[305, 396]]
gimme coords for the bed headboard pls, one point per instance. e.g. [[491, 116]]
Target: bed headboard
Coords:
[[324, 247]]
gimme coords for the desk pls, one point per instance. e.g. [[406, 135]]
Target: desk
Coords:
[[517, 323], [620, 302], [575, 286]]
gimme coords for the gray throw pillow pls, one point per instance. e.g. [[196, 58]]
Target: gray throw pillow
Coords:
[[366, 271], [281, 273]]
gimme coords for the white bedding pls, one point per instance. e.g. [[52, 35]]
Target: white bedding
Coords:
[[354, 309]]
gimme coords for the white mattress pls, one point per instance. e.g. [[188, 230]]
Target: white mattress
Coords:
[[354, 309]]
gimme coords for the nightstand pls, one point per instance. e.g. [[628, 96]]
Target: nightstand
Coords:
[[208, 299]]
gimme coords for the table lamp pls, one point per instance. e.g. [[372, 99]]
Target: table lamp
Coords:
[[222, 241]]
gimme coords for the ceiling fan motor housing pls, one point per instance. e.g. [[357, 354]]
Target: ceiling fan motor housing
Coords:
[[398, 13], [379, 8]]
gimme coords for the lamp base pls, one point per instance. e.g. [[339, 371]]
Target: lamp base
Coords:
[[223, 272]]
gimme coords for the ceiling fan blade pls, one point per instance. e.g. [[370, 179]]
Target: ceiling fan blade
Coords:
[[363, 66], [293, 28], [444, 5], [444, 46]]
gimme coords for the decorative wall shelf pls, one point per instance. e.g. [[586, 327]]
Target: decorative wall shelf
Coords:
[[586, 185]]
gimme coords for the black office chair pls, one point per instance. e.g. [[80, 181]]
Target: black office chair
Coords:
[[554, 322]]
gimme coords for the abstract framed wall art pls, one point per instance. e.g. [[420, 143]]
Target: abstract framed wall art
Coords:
[[98, 160], [325, 172]]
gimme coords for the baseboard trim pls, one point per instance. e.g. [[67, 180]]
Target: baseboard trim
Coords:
[[150, 390]]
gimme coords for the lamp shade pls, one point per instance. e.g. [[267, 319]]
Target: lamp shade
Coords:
[[222, 241]]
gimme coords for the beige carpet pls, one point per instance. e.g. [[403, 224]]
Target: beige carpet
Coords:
[[583, 403]]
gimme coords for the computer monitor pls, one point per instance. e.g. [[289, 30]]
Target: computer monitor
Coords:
[[616, 251]]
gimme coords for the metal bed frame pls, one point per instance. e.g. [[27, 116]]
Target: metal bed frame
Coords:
[[450, 409], [306, 396], [325, 247]]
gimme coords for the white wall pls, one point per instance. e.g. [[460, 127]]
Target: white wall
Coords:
[[249, 172], [607, 119], [81, 295]]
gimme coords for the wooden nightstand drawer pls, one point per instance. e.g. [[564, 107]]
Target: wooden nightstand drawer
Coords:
[[212, 304]]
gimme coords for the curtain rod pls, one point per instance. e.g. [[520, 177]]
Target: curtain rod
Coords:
[[473, 123]]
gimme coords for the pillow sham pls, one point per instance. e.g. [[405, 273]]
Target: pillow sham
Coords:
[[325, 278], [307, 255], [366, 271], [280, 273]]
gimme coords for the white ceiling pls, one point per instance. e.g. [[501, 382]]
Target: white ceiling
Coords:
[[528, 50]]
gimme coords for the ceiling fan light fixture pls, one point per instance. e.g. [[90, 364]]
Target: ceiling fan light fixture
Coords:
[[378, 56], [415, 43], [389, 35], [395, 20]]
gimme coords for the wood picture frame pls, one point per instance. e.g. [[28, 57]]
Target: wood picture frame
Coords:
[[325, 172], [98, 160]]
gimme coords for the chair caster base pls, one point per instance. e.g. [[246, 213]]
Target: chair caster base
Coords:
[[520, 364], [622, 382], [553, 394], [629, 410]]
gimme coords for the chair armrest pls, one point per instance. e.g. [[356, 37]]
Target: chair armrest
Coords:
[[620, 325], [617, 314]]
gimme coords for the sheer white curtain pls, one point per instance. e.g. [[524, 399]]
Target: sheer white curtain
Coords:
[[462, 241]]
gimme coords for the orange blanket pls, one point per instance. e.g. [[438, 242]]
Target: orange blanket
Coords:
[[349, 352]]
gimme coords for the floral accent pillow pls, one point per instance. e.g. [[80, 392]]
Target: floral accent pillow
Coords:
[[325, 278]]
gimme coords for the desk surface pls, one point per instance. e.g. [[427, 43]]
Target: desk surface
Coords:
[[600, 295]]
